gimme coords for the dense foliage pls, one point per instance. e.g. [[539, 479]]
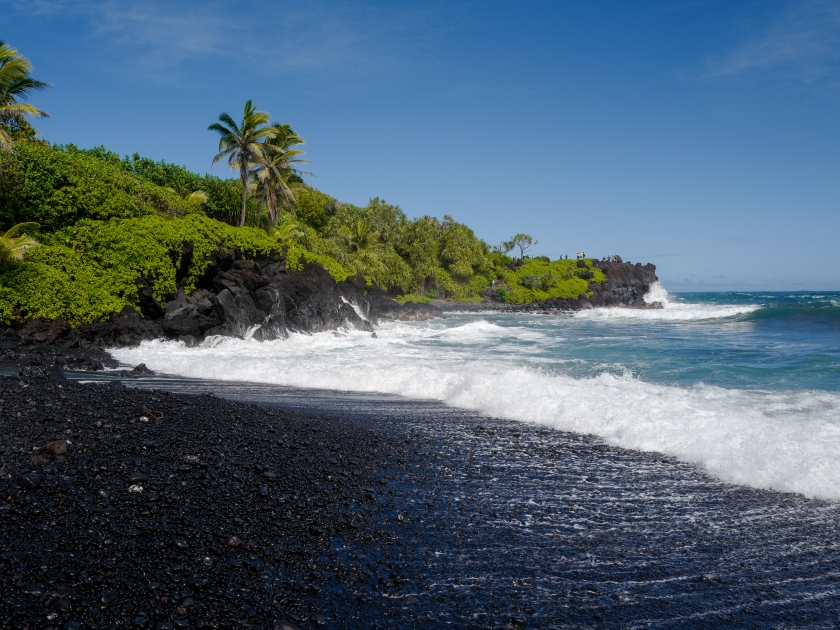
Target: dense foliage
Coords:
[[58, 186], [538, 279], [107, 221], [224, 195], [85, 272]]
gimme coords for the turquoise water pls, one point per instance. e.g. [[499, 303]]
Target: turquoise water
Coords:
[[790, 340], [746, 386]]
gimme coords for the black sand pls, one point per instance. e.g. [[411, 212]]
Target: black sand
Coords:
[[365, 512], [210, 514]]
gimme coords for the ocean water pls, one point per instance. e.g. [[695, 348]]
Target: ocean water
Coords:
[[742, 386]]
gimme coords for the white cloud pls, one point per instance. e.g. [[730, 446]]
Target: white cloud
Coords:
[[803, 42], [273, 36]]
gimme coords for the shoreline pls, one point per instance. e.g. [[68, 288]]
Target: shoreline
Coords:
[[265, 300], [433, 517]]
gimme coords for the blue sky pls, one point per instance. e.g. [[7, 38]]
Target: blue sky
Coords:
[[701, 136]]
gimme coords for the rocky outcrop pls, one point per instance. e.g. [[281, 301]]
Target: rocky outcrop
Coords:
[[264, 300], [626, 285], [236, 297]]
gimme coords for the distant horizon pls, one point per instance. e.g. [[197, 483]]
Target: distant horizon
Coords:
[[713, 290], [703, 137]]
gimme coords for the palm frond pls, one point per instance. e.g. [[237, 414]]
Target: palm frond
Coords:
[[288, 231], [19, 111], [20, 228], [14, 244], [20, 87], [16, 84], [6, 143], [198, 196]]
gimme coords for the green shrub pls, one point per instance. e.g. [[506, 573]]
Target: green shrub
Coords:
[[538, 280], [500, 294], [315, 208], [59, 283], [88, 271], [58, 186], [225, 195], [542, 282], [413, 298]]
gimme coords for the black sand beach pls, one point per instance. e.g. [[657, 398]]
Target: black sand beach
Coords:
[[160, 510], [376, 512]]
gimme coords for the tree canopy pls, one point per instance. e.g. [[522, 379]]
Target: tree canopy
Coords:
[[16, 84]]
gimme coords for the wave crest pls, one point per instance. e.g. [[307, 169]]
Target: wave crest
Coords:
[[671, 310], [787, 441]]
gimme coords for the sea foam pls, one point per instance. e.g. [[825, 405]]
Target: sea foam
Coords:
[[672, 310], [782, 440]]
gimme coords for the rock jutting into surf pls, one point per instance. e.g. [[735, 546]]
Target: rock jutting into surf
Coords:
[[264, 300]]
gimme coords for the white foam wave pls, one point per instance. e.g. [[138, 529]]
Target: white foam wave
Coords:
[[671, 310], [787, 441], [362, 315]]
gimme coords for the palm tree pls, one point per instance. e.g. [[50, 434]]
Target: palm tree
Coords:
[[361, 237], [243, 145], [15, 84], [287, 232], [14, 244], [278, 179], [197, 196]]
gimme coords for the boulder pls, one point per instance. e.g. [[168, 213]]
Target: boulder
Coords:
[[269, 300], [627, 284], [149, 305], [237, 314], [43, 330], [243, 276], [125, 328]]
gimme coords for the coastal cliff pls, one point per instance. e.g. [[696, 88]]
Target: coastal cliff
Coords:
[[265, 300], [261, 299], [625, 286]]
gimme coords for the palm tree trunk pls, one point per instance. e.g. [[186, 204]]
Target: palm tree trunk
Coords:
[[272, 208], [244, 173]]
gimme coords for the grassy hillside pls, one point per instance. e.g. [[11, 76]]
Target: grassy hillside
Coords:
[[106, 220]]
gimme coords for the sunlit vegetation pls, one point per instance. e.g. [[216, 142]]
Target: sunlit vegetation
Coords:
[[16, 84], [14, 243], [95, 222]]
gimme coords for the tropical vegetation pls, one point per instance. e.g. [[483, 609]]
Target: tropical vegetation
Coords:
[[14, 243], [15, 85], [83, 225]]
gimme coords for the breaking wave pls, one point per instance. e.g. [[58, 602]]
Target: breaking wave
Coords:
[[781, 440], [672, 310]]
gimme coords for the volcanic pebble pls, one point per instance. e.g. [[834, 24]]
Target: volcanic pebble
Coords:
[[207, 519]]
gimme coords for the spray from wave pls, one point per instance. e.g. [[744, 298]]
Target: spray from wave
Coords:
[[672, 310], [788, 440]]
